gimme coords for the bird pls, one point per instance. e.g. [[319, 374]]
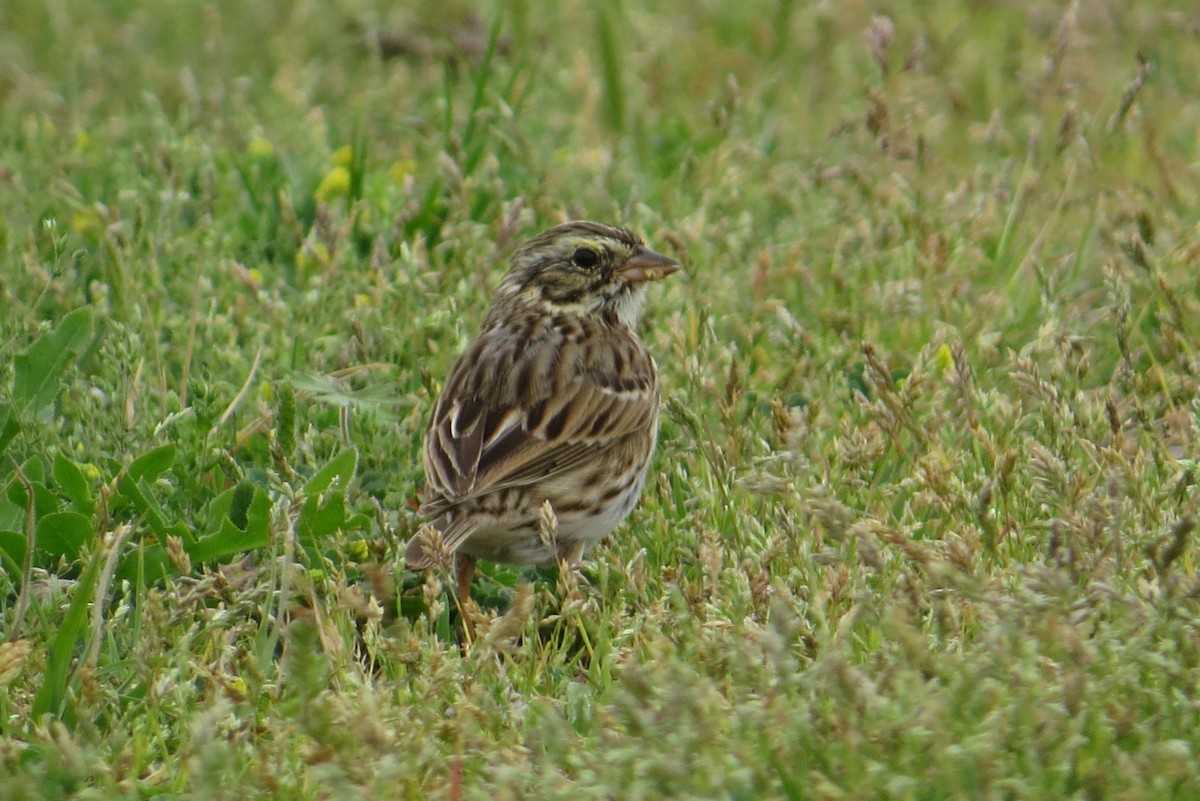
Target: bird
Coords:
[[542, 435]]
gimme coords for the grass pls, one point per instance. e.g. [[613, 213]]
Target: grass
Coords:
[[923, 513]]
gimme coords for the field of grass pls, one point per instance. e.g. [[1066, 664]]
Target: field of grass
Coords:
[[922, 521]]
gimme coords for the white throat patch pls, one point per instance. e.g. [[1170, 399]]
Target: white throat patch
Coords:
[[628, 306]]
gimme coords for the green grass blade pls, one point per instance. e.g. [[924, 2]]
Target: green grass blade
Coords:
[[66, 645]]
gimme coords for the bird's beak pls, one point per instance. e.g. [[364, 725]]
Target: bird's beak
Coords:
[[646, 265]]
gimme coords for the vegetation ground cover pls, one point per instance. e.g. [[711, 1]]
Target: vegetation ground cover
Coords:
[[922, 519]]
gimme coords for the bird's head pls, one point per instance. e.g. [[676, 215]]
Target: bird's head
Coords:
[[584, 268]]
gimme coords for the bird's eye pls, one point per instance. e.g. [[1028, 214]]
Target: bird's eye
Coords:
[[585, 257]]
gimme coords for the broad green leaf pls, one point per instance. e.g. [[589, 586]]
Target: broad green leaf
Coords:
[[146, 564], [64, 534], [9, 427], [133, 485], [231, 540], [216, 513], [136, 493], [38, 371], [152, 464], [232, 505], [239, 505], [13, 516], [34, 469], [319, 520], [44, 503], [340, 467], [12, 553], [74, 484]]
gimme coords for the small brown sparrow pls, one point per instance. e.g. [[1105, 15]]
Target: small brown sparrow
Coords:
[[556, 401]]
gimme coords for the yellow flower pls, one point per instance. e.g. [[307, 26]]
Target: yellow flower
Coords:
[[336, 183], [343, 156], [83, 142], [401, 169], [234, 685], [87, 221], [944, 359], [357, 550], [260, 147], [310, 255]]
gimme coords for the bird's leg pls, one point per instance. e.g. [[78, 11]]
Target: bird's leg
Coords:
[[464, 571], [571, 553], [570, 559]]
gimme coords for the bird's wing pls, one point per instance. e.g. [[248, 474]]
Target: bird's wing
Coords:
[[515, 411]]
